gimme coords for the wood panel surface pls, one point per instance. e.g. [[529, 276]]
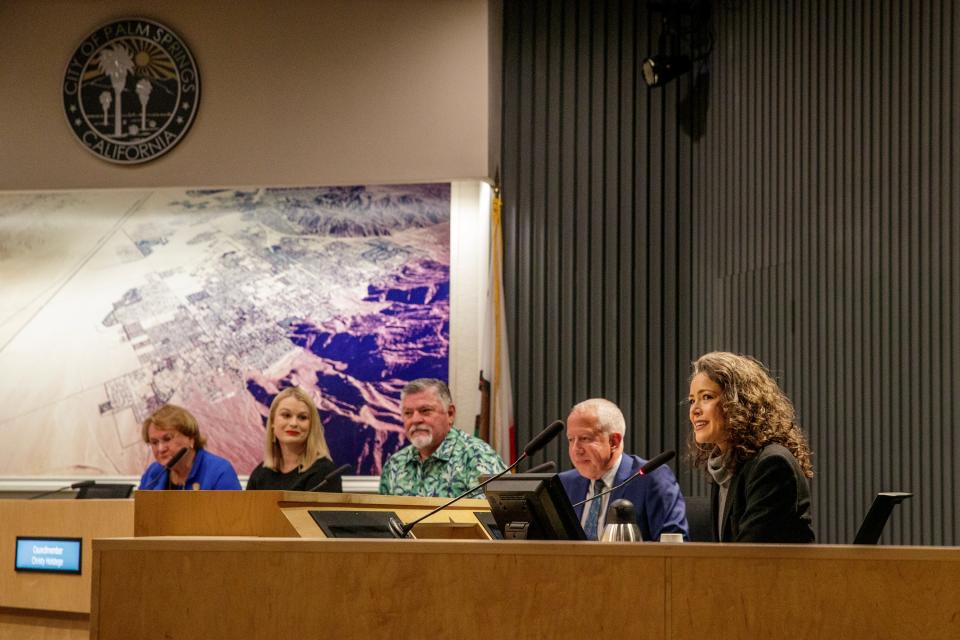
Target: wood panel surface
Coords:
[[24, 624], [350, 589], [483, 589], [277, 513], [799, 596], [210, 513], [85, 519]]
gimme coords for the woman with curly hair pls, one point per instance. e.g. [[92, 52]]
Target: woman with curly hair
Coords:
[[746, 436]]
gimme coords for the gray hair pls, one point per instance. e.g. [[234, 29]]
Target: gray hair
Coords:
[[607, 413], [428, 384]]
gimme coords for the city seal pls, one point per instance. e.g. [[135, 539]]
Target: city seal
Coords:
[[131, 91]]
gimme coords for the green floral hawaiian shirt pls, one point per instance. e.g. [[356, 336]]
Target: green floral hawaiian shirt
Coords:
[[449, 471]]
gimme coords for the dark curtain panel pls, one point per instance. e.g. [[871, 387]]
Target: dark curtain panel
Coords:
[[793, 199]]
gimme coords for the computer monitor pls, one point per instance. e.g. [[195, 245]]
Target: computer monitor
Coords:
[[533, 506], [105, 491], [355, 524], [876, 518]]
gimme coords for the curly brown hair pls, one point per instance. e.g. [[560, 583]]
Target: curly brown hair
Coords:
[[756, 411]]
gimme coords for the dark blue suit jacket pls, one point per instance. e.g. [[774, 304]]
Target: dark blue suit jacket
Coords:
[[656, 497]]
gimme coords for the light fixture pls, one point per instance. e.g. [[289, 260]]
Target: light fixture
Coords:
[[661, 69], [686, 37]]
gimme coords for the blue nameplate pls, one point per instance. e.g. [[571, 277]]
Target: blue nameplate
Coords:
[[57, 555]]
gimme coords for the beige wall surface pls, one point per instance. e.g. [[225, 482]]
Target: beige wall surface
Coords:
[[292, 93]]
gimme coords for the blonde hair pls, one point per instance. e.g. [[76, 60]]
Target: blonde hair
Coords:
[[171, 417], [756, 411], [316, 446]]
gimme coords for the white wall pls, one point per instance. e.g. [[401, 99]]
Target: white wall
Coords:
[[469, 259], [296, 92], [293, 93]]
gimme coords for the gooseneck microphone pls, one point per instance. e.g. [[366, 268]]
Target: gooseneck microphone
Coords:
[[176, 458], [653, 464], [330, 476], [539, 442], [171, 463], [75, 485], [544, 467]]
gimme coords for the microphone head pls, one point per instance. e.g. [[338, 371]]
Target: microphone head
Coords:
[[543, 438], [658, 461], [176, 458], [342, 469], [544, 467]]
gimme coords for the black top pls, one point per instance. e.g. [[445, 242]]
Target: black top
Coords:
[[768, 500], [296, 480]]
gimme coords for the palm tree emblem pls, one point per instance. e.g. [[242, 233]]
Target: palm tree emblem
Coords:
[[116, 63], [105, 100], [143, 92], [130, 91]]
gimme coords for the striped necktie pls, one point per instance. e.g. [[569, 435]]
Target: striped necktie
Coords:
[[593, 515]]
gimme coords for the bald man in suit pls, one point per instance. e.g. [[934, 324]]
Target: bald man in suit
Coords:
[[595, 430]]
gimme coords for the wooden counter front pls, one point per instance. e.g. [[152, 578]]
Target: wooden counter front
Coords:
[[86, 519], [286, 513], [246, 587], [53, 606]]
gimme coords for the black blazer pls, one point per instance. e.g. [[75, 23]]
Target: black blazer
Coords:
[[768, 501], [264, 478]]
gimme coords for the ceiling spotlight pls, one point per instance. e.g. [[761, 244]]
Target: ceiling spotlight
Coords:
[[659, 70]]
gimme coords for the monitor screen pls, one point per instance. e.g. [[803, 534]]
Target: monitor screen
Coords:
[[872, 526], [533, 506], [489, 523], [56, 555], [354, 524], [105, 491]]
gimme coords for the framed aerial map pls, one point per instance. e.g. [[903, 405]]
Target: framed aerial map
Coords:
[[113, 303]]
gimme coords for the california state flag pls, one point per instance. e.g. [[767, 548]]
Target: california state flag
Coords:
[[495, 358]]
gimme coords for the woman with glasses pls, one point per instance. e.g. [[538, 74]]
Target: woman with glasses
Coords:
[[170, 429]]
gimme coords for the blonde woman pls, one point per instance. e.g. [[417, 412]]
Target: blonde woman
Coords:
[[295, 454], [746, 437]]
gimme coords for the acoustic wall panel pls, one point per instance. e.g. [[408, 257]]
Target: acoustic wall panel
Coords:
[[833, 124], [812, 226], [592, 174]]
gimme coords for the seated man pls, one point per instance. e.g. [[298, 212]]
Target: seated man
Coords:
[[443, 461], [595, 431]]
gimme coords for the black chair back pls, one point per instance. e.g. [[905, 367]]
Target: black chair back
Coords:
[[698, 518]]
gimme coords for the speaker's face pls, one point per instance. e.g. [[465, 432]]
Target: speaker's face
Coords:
[[706, 415], [291, 422], [591, 450], [426, 421], [166, 443]]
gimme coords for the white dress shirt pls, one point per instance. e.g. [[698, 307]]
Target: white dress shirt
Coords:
[[607, 479]]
